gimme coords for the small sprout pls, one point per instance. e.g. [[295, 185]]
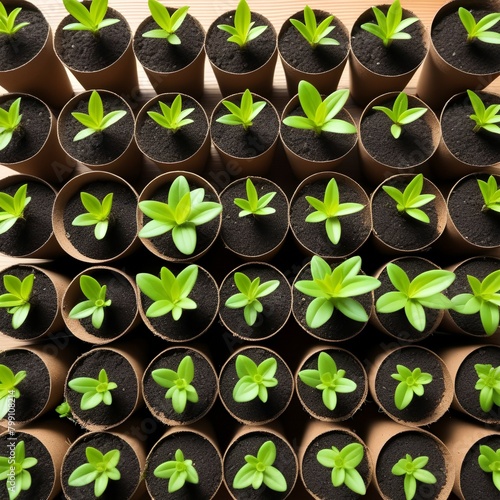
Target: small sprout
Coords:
[[400, 114], [95, 120], [328, 379], [489, 386], [484, 299], [95, 391], [17, 300], [178, 383], [343, 464], [95, 303], [168, 24], [243, 31], [8, 388], [320, 114], [178, 472], [410, 383], [181, 214], [413, 470], [98, 214], [91, 19], [172, 117], [244, 114], [64, 410], [479, 30], [491, 194], [255, 205], [484, 117], [390, 27], [330, 209], [17, 465], [169, 293], [13, 208], [99, 469], [334, 288], [412, 296], [260, 470], [489, 461], [254, 380], [249, 294], [314, 34], [9, 122], [8, 24], [408, 201]]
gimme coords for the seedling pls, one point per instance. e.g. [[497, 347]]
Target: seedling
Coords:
[[95, 391], [91, 19], [411, 383], [99, 469], [248, 297], [255, 205], [16, 465], [95, 303], [479, 30], [178, 383], [412, 296], [254, 380], [259, 470], [489, 386], [8, 388], [484, 299], [13, 207], [243, 30], [17, 300], [169, 293], [172, 117], [389, 28], [64, 410], [95, 121], [330, 209], [414, 471], [343, 464], [400, 114], [489, 461], [181, 214], [168, 24], [244, 114], [8, 24], [491, 194], [320, 114], [409, 201], [334, 289], [98, 214], [315, 34], [178, 472], [328, 379], [485, 118], [9, 122]]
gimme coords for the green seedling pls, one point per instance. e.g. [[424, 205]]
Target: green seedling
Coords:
[[9, 122], [244, 114], [254, 380], [178, 472], [489, 386], [8, 24], [480, 30], [485, 118], [411, 383], [98, 214], [168, 24], [413, 471], [95, 391], [17, 298], [489, 461], [64, 410], [313, 33], [491, 194], [172, 117], [16, 465], [13, 207], [254, 205], [8, 388], [91, 19]]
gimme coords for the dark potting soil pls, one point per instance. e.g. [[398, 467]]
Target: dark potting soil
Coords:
[[206, 460], [228, 56], [33, 231], [249, 444], [450, 40], [83, 51], [205, 383], [31, 134], [318, 478], [256, 411], [159, 55], [416, 444], [253, 235], [122, 228], [465, 205], [397, 323], [299, 54], [164, 145], [34, 389], [481, 148], [20, 48], [398, 229], [128, 466], [466, 378], [347, 403], [43, 310], [120, 371]]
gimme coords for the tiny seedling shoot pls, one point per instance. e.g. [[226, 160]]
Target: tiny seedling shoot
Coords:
[[480, 30], [485, 118], [259, 470], [413, 471], [168, 24], [254, 380], [8, 24], [328, 379], [95, 391], [8, 388], [91, 19], [313, 33], [64, 410], [255, 204], [488, 386], [178, 383], [17, 465], [244, 114], [490, 193], [13, 207], [98, 213], [411, 383], [172, 117], [178, 472], [17, 298], [489, 461], [10, 120]]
